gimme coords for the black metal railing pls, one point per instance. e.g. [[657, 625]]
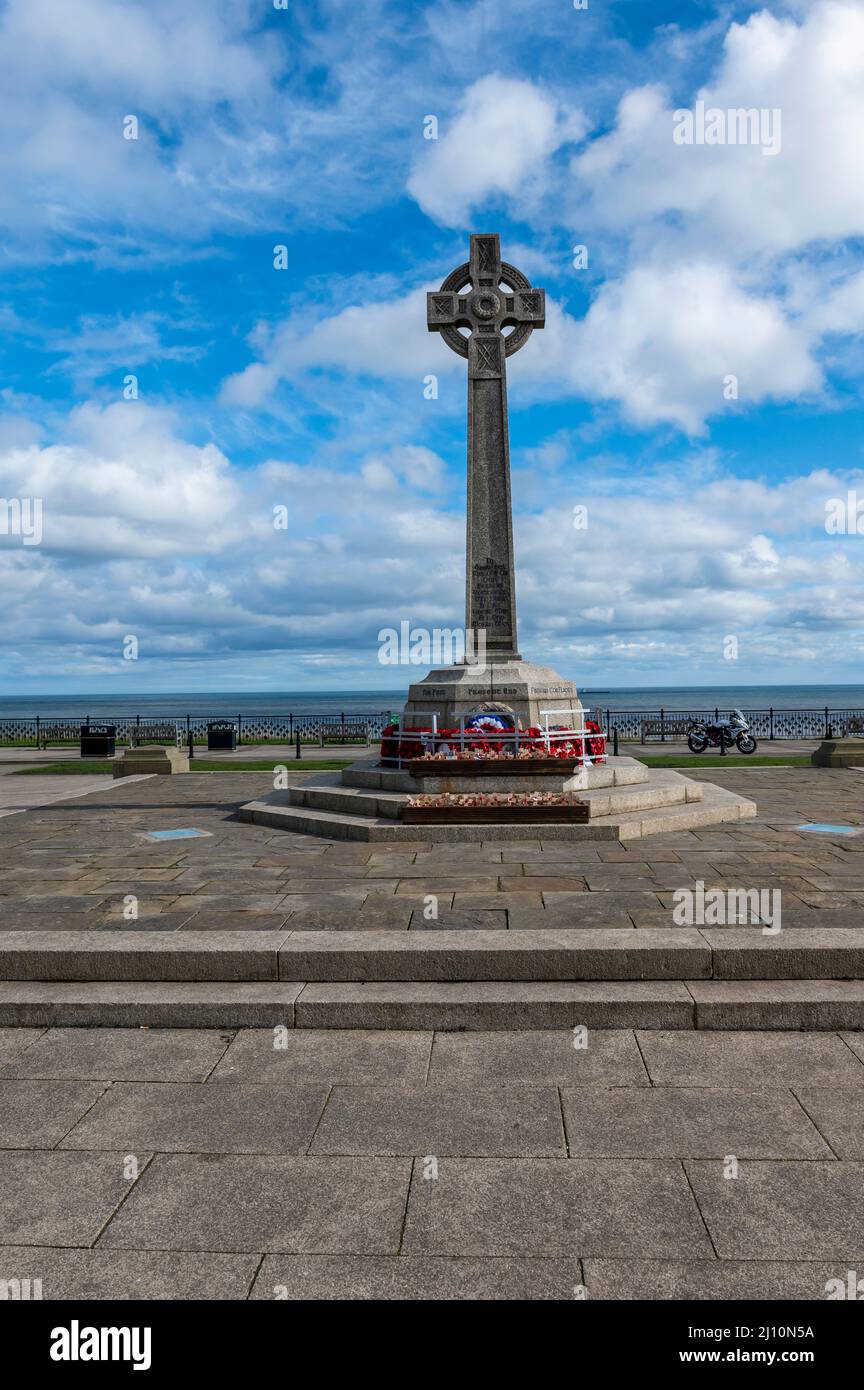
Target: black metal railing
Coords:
[[251, 728], [771, 723]]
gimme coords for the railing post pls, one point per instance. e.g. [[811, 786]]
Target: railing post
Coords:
[[615, 741], [827, 735], [239, 729], [607, 721], [662, 727], [290, 728], [297, 753], [771, 722], [37, 731]]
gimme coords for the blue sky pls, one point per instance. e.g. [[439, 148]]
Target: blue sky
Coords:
[[302, 388]]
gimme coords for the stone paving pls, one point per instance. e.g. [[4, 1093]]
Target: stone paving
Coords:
[[262, 1163], [73, 865], [232, 1165]]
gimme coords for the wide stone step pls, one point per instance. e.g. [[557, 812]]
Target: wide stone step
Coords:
[[710, 1004], [325, 793], [350, 801], [655, 953], [728, 954], [338, 825], [773, 1005], [147, 1005], [367, 773]]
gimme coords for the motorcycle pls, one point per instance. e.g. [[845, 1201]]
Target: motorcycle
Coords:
[[723, 734]]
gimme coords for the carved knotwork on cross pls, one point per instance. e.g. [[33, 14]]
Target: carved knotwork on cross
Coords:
[[486, 296]]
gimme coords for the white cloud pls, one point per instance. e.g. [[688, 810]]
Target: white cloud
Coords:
[[661, 342], [496, 147], [664, 340], [732, 198], [149, 534]]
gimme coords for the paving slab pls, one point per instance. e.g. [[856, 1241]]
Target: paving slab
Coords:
[[487, 1121], [37, 1114], [133, 1274], [14, 1041], [608, 1057], [173, 1117], [554, 1207], [120, 1054], [335, 1056], [735, 1280], [838, 1113], [454, 920], [784, 1211], [406, 1278], [679, 1122], [257, 1203], [54, 1198], [749, 1059]]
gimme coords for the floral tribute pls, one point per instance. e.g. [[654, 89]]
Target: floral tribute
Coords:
[[482, 744], [448, 799]]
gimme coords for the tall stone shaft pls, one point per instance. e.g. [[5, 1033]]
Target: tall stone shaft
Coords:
[[487, 297]]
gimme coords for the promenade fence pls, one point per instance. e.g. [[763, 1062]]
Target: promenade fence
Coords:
[[771, 724]]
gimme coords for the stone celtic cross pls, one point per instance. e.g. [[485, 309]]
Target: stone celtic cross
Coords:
[[485, 296]]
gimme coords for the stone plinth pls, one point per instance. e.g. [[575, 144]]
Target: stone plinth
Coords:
[[519, 687], [839, 752], [151, 758]]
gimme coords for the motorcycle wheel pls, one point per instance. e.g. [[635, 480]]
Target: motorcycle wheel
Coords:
[[697, 743], [746, 743]]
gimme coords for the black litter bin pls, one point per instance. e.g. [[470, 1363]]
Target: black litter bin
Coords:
[[221, 735], [98, 740]]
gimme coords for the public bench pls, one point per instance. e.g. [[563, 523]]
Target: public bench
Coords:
[[344, 733], [57, 733], [664, 728], [154, 733]]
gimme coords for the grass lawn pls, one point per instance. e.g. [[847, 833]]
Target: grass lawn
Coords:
[[714, 761], [197, 765]]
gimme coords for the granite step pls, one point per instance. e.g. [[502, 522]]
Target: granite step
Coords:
[[707, 1004], [774, 1005], [325, 793], [137, 1004], [367, 773], [275, 811], [727, 954], [716, 806]]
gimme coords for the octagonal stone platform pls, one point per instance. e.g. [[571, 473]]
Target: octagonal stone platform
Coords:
[[626, 801]]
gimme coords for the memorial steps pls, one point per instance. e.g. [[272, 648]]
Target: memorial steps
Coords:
[[665, 977], [626, 801], [449, 984]]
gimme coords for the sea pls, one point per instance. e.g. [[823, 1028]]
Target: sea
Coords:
[[333, 703]]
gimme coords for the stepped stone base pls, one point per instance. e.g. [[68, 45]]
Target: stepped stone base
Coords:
[[625, 802], [516, 686], [839, 752], [149, 759]]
